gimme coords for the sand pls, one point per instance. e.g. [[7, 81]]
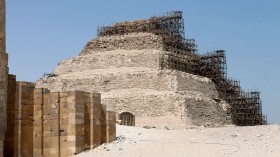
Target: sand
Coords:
[[255, 141]]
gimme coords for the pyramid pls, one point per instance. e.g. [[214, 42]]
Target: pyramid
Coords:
[[146, 67]]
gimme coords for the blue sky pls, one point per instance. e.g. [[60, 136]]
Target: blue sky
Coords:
[[42, 33]]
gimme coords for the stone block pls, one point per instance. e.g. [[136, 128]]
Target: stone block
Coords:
[[110, 126], [10, 137]]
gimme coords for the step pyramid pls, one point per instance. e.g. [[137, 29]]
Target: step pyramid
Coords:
[[124, 64]]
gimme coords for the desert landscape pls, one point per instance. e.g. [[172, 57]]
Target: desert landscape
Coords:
[[230, 141]]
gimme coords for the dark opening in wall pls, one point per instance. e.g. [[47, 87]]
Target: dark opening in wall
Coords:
[[127, 119]]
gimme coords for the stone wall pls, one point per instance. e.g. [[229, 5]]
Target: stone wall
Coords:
[[53, 124], [11, 139], [38, 123], [19, 137], [3, 26], [26, 108], [110, 126], [3, 74]]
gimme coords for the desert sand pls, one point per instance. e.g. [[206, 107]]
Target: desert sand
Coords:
[[231, 141]]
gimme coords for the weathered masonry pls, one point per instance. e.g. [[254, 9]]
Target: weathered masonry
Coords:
[[59, 124], [3, 75]]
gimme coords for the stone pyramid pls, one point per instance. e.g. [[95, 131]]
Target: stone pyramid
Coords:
[[124, 64]]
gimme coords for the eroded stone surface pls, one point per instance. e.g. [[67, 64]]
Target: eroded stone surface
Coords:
[[3, 75]]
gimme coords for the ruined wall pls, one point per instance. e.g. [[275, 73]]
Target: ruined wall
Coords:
[[3, 74]]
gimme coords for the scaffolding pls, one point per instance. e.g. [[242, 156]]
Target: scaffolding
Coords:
[[170, 26], [181, 54], [246, 107]]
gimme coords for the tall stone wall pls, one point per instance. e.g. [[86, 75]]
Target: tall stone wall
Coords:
[[11, 139], [19, 135], [2, 26], [68, 122], [25, 100], [3, 75]]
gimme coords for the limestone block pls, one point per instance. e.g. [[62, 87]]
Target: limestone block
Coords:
[[25, 104], [11, 140], [95, 120], [72, 133], [110, 126], [103, 124]]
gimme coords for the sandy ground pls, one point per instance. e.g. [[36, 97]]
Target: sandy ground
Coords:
[[255, 141]]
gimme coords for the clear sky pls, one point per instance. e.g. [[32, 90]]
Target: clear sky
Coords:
[[42, 33]]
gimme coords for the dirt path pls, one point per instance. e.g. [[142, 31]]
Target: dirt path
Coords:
[[256, 141]]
